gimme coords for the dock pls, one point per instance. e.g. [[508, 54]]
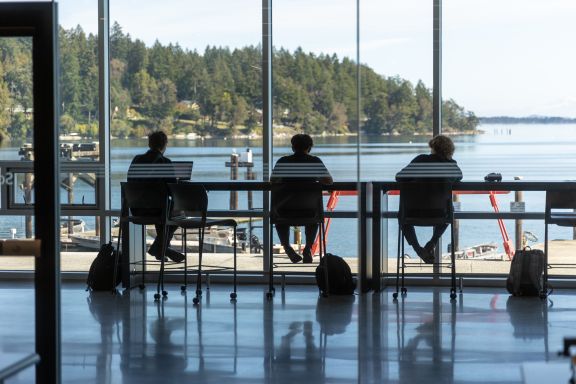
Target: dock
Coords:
[[561, 251]]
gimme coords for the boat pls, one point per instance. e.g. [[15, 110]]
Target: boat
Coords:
[[217, 241], [477, 252], [88, 241], [78, 225]]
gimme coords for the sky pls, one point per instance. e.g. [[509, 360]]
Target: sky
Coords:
[[500, 57]]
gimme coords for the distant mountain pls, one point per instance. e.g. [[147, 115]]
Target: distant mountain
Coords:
[[526, 120]]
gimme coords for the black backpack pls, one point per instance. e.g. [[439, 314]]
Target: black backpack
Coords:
[[101, 275], [339, 276], [526, 273]]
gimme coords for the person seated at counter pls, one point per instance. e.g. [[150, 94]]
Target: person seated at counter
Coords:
[[153, 166], [300, 167], [434, 167]]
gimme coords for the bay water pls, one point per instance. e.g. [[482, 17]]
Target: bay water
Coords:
[[536, 152]]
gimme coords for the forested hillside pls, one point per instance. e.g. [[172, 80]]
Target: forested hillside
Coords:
[[216, 92]]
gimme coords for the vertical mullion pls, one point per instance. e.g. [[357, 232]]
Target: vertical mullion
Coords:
[[103, 177], [266, 120], [437, 70]]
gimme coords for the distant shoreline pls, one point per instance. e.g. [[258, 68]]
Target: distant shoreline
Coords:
[[526, 120]]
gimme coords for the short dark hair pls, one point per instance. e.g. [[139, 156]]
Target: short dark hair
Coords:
[[301, 142], [442, 146], [157, 140]]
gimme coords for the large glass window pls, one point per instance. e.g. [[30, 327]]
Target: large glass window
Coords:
[[196, 75], [79, 130], [314, 92], [515, 87]]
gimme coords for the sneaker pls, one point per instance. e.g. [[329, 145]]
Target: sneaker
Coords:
[[307, 255], [155, 251], [427, 257], [430, 247], [171, 254], [175, 256], [294, 257]]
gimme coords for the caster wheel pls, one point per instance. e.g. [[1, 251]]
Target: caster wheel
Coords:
[[164, 293], [233, 295], [141, 286], [156, 296], [269, 295], [452, 296], [199, 292], [395, 295], [542, 296], [403, 290], [183, 288], [196, 300], [273, 290]]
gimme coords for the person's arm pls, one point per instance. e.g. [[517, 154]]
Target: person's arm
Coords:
[[326, 177], [274, 178], [458, 171], [406, 173]]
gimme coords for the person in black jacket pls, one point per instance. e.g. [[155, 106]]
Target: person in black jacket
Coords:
[[437, 166], [153, 166], [300, 167]]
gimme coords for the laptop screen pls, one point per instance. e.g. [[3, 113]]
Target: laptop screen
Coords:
[[183, 170]]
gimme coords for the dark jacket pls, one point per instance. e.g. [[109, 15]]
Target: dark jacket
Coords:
[[152, 166], [299, 167], [430, 168]]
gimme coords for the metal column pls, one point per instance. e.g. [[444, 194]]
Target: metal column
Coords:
[[103, 177], [267, 132]]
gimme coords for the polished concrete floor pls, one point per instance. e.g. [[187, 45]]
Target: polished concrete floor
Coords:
[[297, 338]]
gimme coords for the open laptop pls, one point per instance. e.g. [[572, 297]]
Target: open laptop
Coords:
[[183, 170]]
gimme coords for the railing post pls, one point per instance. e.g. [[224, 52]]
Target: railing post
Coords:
[[456, 245], [518, 233], [365, 238]]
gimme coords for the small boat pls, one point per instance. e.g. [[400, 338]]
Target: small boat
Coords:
[[78, 225], [87, 241], [217, 243], [477, 252]]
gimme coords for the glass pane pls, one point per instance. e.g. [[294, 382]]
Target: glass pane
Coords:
[[196, 76], [79, 128], [396, 93], [521, 103], [17, 153], [17, 192], [314, 86]]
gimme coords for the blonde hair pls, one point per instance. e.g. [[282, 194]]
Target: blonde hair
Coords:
[[442, 146]]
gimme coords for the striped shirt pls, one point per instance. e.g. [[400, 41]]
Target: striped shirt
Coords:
[[430, 167], [299, 167]]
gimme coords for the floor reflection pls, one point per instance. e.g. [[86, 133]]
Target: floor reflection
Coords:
[[428, 354], [484, 337]]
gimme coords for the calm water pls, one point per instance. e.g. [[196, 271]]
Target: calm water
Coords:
[[535, 152]]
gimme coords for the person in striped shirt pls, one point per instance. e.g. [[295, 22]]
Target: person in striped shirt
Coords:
[[300, 167], [434, 167]]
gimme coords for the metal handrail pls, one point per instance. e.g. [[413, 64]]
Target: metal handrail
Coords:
[[18, 366]]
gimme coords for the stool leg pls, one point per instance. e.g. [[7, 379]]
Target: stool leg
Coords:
[[323, 256], [196, 299], [403, 289], [544, 292], [144, 250], [160, 285], [185, 246], [116, 260], [270, 292], [453, 261], [395, 294], [233, 294]]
